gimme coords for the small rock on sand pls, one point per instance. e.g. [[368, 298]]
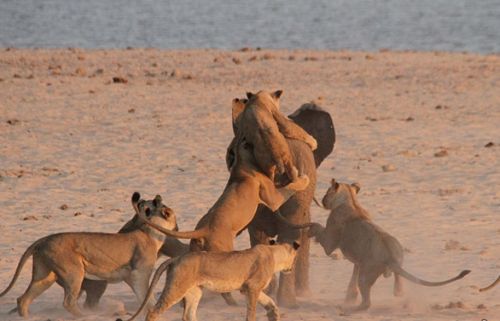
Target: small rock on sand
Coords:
[[441, 153], [389, 168], [63, 207], [490, 144], [451, 245], [120, 80], [13, 121]]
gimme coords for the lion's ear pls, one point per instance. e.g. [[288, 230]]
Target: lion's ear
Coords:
[[237, 108], [277, 94], [135, 200], [136, 197], [356, 187], [250, 95], [296, 245], [157, 201]]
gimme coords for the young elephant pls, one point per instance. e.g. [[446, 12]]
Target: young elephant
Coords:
[[249, 271], [372, 250], [66, 258], [261, 123]]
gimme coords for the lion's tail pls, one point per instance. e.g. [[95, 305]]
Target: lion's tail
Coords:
[[492, 285], [29, 251], [162, 268], [291, 225], [396, 268], [196, 234]]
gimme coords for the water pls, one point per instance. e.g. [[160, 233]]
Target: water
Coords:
[[451, 25]]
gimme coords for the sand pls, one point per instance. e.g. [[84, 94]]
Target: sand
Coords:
[[419, 131]]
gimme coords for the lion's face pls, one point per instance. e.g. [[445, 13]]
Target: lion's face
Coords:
[[271, 101], [337, 194], [155, 211], [285, 255]]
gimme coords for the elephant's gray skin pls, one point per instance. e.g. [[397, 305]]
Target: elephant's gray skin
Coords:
[[266, 225]]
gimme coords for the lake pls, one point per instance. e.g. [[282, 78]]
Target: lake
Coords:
[[449, 25]]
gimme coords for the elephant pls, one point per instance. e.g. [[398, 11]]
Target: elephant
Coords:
[[319, 124]]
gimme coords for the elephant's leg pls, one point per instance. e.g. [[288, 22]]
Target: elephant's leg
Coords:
[[297, 212], [286, 290], [302, 266], [260, 230]]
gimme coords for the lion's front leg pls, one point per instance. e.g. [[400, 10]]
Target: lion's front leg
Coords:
[[274, 197], [252, 296], [192, 299], [273, 313]]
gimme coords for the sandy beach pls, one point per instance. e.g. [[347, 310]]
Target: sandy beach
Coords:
[[81, 130]]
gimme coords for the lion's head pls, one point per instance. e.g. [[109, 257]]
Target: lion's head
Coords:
[[155, 211], [338, 194]]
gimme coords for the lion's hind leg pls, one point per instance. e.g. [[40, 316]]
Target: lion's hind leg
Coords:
[[41, 280], [172, 293], [367, 277], [352, 289], [398, 285]]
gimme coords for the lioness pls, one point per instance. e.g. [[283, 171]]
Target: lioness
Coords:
[[246, 188], [68, 258], [171, 247], [262, 124], [249, 271], [372, 250]]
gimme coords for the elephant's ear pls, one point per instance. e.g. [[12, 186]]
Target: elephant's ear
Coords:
[[318, 123]]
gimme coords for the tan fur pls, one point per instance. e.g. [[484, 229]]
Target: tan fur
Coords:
[[491, 286], [247, 187], [171, 247], [261, 123], [372, 250], [68, 258], [249, 271]]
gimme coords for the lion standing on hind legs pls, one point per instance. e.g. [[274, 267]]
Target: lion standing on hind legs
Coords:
[[319, 124], [372, 250], [260, 122]]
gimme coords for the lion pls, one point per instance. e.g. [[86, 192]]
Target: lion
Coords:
[[249, 271], [372, 250], [261, 123], [171, 247], [68, 258], [246, 188], [491, 286]]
